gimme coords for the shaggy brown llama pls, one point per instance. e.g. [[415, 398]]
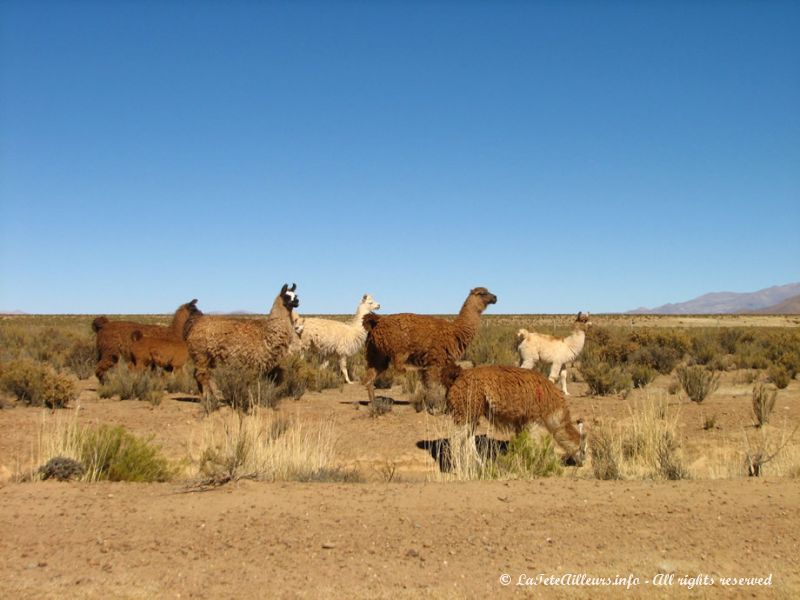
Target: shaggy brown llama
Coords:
[[512, 398], [421, 341], [256, 343], [114, 339]]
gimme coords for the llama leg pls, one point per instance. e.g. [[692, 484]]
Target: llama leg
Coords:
[[555, 369], [105, 363], [343, 368], [563, 380], [369, 383]]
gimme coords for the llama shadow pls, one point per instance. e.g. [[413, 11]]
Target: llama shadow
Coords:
[[488, 449], [385, 399]]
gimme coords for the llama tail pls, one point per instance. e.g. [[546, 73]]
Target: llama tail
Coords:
[[370, 320], [99, 323]]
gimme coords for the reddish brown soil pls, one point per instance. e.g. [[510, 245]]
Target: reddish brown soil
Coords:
[[410, 537]]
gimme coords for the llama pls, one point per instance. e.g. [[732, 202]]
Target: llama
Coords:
[[512, 398], [168, 353], [534, 347], [421, 341], [257, 343], [114, 339], [341, 339]]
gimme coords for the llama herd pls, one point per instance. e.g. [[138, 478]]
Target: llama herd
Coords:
[[511, 397]]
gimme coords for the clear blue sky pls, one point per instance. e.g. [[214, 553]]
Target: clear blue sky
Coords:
[[576, 155]]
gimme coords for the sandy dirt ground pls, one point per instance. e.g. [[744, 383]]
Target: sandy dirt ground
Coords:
[[401, 536]]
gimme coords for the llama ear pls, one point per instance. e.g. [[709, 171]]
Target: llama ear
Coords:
[[293, 288], [284, 288], [193, 302], [364, 298]]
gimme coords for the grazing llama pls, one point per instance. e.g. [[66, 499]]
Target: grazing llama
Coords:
[[421, 341], [256, 343], [341, 339], [115, 341], [512, 398], [534, 347]]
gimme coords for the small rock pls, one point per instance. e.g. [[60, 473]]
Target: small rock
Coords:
[[328, 545], [411, 553]]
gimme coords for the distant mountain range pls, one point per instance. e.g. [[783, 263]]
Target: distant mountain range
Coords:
[[779, 299]]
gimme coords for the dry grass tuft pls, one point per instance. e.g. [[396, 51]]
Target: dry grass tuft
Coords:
[[265, 446]]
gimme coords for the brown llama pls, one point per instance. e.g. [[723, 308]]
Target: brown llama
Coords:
[[421, 341], [256, 343], [168, 353], [512, 398], [114, 338]]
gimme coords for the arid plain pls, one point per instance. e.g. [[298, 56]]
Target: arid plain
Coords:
[[385, 515]]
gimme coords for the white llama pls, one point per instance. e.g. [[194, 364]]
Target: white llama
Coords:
[[534, 347], [342, 339]]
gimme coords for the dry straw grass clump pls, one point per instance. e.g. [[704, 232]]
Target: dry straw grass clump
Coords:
[[69, 450], [37, 384], [645, 446], [697, 381], [266, 446], [763, 403]]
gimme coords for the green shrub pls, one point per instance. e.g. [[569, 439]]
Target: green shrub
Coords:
[[122, 381], [697, 381], [705, 348], [243, 387], [37, 384], [114, 454], [494, 345], [763, 403], [790, 360], [603, 379], [642, 375], [527, 457]]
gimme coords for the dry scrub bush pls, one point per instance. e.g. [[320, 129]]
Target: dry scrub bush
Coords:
[[697, 381], [122, 381], [763, 403], [645, 446], [778, 375], [37, 384], [104, 453], [603, 378], [493, 345], [265, 446]]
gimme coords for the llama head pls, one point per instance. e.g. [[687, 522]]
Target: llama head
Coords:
[[368, 304], [522, 334], [579, 456], [483, 296], [289, 297], [192, 308], [582, 320]]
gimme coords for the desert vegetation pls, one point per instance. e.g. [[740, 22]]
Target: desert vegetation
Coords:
[[657, 402]]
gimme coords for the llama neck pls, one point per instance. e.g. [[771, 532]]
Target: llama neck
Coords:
[[179, 322], [357, 320], [467, 322], [278, 309], [576, 340]]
